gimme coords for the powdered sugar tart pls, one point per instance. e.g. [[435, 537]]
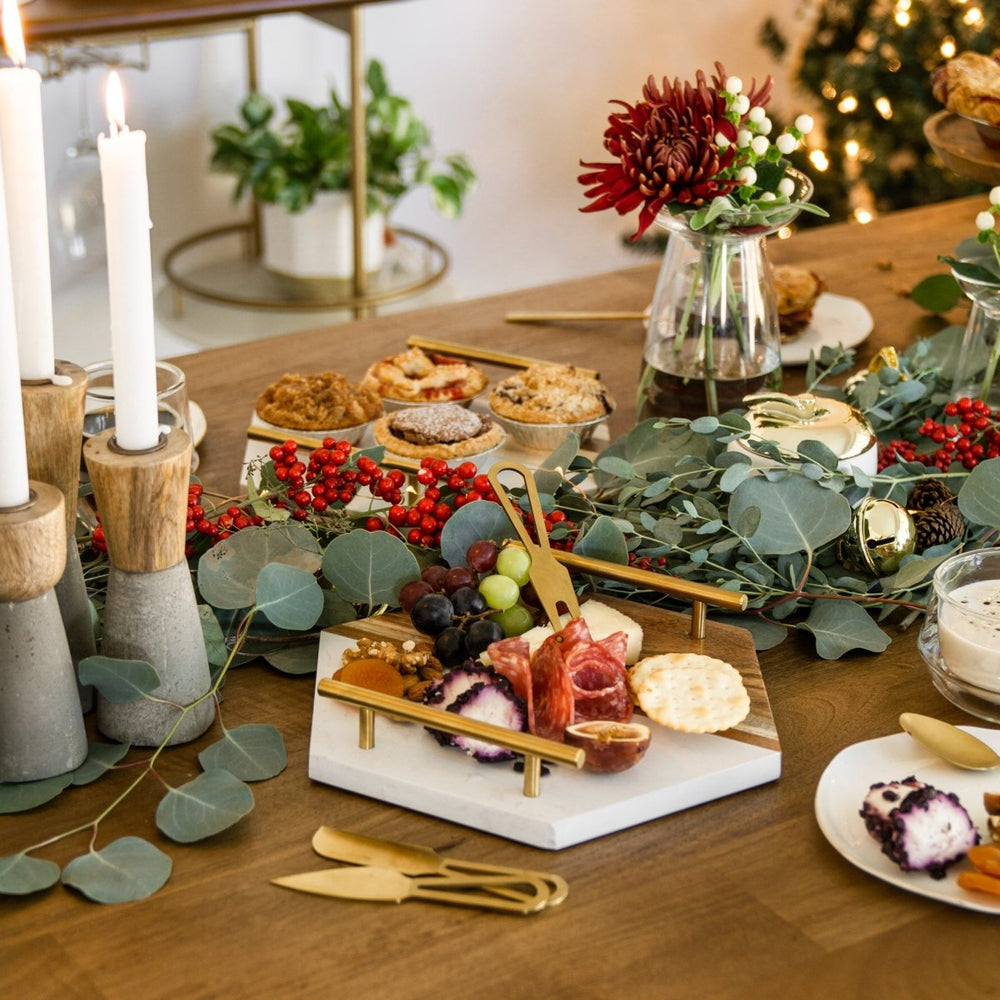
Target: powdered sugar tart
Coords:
[[438, 430], [417, 377]]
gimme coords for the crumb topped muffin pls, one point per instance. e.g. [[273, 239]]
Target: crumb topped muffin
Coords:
[[551, 394], [439, 430], [796, 290], [317, 402], [417, 377]]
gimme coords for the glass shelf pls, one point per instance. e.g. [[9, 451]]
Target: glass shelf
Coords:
[[221, 265]]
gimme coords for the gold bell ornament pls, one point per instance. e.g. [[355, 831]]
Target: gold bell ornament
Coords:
[[880, 536]]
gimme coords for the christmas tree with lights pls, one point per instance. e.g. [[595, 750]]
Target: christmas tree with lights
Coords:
[[868, 64]]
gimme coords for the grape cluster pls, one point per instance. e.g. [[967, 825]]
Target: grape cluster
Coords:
[[465, 608], [970, 436]]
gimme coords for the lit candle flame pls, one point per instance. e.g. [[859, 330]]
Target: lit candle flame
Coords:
[[114, 104], [13, 37]]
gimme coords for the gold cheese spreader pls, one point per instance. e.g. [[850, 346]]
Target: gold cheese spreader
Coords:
[[386, 885], [412, 859], [550, 579]]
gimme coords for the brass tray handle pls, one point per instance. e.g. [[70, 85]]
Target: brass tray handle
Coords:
[[534, 748], [484, 354]]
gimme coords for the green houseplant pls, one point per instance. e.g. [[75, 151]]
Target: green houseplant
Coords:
[[297, 163]]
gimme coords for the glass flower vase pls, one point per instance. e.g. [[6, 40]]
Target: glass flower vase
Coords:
[[713, 333], [976, 365]]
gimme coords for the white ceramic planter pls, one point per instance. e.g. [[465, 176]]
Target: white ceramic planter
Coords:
[[318, 242]]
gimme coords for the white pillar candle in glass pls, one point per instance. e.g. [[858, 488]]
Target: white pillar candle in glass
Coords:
[[130, 276], [27, 207], [13, 456]]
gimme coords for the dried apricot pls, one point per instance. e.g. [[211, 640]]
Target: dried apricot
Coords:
[[375, 675]]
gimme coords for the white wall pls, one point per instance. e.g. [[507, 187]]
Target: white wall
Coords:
[[521, 86]]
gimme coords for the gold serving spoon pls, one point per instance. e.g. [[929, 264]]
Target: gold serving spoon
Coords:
[[949, 742]]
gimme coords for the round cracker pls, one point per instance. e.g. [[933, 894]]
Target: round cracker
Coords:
[[700, 698], [638, 673]]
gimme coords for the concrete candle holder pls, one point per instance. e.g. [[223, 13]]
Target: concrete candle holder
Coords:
[[53, 433], [41, 719], [150, 611]]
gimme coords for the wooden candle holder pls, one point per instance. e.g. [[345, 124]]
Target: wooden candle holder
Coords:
[[150, 611], [41, 719], [142, 499], [53, 433]]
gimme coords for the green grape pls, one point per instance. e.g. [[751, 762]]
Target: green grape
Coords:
[[501, 592], [515, 620], [514, 562]]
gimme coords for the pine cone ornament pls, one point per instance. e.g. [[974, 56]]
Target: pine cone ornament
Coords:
[[929, 493], [938, 525]]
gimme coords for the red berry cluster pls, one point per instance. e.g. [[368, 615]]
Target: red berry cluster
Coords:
[[969, 437], [328, 478], [200, 521], [647, 562], [445, 490]]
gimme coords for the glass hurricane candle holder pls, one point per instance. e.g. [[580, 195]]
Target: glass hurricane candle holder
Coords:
[[960, 637]]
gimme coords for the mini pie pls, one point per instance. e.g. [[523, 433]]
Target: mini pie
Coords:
[[796, 289], [438, 430], [551, 394], [969, 85], [317, 402], [417, 377]]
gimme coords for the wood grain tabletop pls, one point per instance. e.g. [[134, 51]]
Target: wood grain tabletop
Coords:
[[738, 898]]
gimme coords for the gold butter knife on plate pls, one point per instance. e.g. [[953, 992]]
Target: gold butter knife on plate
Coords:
[[412, 859], [387, 885]]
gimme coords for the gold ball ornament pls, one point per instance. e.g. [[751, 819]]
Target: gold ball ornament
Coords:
[[880, 536]]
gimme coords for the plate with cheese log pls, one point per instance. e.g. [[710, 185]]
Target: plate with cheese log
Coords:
[[836, 319], [867, 781], [407, 766]]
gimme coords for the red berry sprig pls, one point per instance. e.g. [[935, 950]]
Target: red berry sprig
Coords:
[[970, 436]]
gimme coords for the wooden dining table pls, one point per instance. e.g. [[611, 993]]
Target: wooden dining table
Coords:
[[737, 898]]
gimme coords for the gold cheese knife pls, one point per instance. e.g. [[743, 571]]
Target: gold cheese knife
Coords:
[[412, 859], [390, 886]]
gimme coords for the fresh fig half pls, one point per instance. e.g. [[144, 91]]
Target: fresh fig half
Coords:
[[609, 747]]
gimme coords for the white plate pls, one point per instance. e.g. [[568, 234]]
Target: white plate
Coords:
[[199, 425], [836, 320], [846, 781]]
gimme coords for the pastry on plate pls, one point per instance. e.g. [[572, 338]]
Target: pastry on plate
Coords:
[[969, 85], [417, 377], [438, 430], [796, 289], [323, 402], [551, 394]]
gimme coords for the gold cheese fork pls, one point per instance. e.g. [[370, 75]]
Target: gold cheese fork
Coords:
[[550, 579]]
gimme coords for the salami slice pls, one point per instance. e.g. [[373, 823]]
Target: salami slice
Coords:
[[599, 683], [551, 691]]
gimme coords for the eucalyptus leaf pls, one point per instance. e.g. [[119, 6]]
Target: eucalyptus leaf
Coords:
[[978, 497], [796, 515], [119, 680], [369, 567], [295, 660], [21, 875], [603, 540], [128, 869], [215, 640], [821, 454], [20, 796], [253, 752], [616, 467], [481, 519], [840, 626], [766, 635], [290, 598], [734, 475], [101, 757], [203, 807], [227, 572], [336, 610]]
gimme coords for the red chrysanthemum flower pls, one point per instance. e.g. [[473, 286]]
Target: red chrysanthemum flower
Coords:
[[666, 149]]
